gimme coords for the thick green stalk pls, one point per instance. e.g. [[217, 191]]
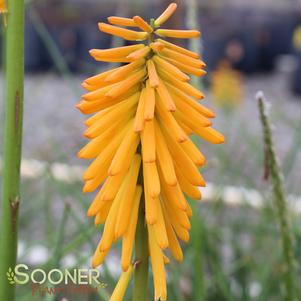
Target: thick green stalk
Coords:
[[272, 169], [12, 143], [141, 250]]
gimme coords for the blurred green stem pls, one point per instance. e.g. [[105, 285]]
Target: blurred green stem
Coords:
[[272, 169], [12, 143]]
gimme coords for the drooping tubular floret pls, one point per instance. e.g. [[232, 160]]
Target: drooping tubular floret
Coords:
[[144, 114]]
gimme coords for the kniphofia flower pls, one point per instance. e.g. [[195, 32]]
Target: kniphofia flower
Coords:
[[144, 114], [3, 7], [3, 10], [226, 86]]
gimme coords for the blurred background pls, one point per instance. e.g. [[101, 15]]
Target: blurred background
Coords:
[[234, 253]]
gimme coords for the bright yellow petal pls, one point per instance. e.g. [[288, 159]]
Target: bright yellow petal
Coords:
[[178, 48], [181, 96], [106, 155], [121, 21], [185, 87], [124, 71], [98, 257], [123, 86], [99, 79], [126, 34], [181, 232], [186, 68], [96, 145], [193, 152], [150, 100], [115, 53], [166, 14], [139, 54], [113, 185], [174, 195], [128, 145], [129, 237], [103, 103], [126, 203], [120, 289], [164, 158], [139, 118], [152, 74], [165, 97], [182, 58], [142, 24], [148, 142], [165, 66], [169, 121], [124, 108], [151, 204], [102, 215], [174, 244], [181, 34], [157, 260], [190, 113], [184, 162], [152, 179], [157, 46], [176, 214], [189, 189], [160, 229], [108, 235]]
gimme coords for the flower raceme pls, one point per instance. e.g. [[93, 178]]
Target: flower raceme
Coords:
[[3, 10], [143, 157], [3, 7]]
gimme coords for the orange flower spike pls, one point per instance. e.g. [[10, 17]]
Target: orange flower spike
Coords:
[[144, 112], [3, 7], [3, 10], [121, 21], [180, 34], [166, 14], [142, 24], [126, 34]]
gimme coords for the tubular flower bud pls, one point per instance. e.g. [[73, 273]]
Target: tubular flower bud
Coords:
[[144, 114]]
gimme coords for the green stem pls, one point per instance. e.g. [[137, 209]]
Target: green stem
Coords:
[[272, 169], [141, 249], [12, 143]]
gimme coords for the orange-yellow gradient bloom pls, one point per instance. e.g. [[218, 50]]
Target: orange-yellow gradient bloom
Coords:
[[3, 7], [143, 115]]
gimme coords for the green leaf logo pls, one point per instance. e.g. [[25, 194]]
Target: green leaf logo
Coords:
[[10, 276]]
